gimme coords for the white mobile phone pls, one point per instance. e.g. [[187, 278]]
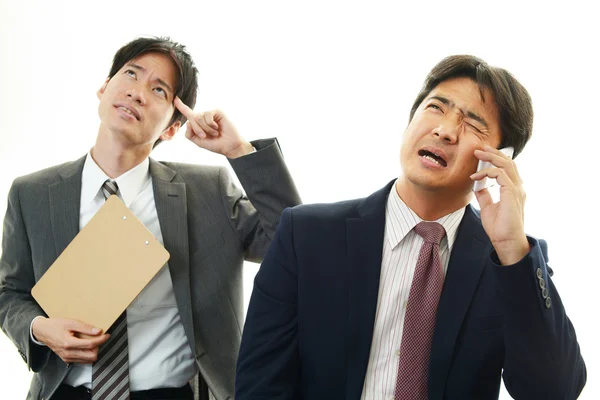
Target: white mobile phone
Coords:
[[488, 182]]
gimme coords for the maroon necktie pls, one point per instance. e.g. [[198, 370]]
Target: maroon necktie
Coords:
[[419, 322]]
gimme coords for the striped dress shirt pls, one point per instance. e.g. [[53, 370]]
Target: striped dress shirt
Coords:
[[401, 246]]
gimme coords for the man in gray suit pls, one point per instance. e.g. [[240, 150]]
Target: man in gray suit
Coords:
[[187, 322]]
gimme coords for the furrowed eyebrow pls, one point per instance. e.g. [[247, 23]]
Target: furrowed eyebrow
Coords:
[[165, 84], [477, 118], [140, 68], [442, 99], [469, 114]]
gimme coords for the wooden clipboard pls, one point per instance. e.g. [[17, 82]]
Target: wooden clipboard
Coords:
[[103, 269]]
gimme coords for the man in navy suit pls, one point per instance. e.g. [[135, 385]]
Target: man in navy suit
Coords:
[[331, 315]]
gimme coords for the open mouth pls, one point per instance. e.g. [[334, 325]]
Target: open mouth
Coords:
[[129, 111], [433, 157]]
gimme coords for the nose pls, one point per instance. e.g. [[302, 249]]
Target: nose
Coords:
[[447, 130], [136, 95]]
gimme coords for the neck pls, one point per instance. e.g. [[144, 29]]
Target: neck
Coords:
[[429, 205], [115, 158]]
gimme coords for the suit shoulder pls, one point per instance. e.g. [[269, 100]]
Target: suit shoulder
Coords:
[[186, 169], [44, 176], [326, 211], [193, 168]]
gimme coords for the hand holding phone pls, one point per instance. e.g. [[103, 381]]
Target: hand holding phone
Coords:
[[489, 182]]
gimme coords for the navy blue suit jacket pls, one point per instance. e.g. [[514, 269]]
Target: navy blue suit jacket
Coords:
[[310, 322]]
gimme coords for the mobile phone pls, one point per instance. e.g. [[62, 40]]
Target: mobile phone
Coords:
[[489, 182]]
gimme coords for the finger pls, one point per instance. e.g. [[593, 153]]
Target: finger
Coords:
[[209, 117], [191, 117], [498, 174], [189, 133], [506, 152], [92, 343], [80, 356], [205, 126], [493, 156], [67, 343], [500, 160], [484, 198], [196, 128], [183, 108], [192, 133], [85, 342], [80, 327]]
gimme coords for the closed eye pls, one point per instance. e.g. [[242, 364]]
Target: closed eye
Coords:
[[475, 127]]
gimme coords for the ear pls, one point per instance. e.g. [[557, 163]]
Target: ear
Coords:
[[100, 91], [170, 131]]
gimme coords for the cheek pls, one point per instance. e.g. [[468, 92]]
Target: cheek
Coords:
[[421, 126], [411, 134], [468, 162], [167, 113], [162, 116], [102, 106], [108, 96], [406, 146], [411, 141]]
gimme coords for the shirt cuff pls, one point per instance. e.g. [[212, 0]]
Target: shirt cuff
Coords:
[[31, 332]]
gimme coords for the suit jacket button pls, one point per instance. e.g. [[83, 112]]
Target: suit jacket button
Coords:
[[545, 293], [542, 283], [539, 273], [548, 302]]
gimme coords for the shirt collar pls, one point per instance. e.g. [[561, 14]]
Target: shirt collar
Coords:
[[400, 220], [130, 183]]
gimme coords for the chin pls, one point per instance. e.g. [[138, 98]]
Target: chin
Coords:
[[429, 184], [124, 136], [424, 183]]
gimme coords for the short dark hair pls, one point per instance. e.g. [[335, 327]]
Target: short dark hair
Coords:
[[512, 99], [187, 85]]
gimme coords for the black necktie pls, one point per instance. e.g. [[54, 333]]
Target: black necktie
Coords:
[[110, 373]]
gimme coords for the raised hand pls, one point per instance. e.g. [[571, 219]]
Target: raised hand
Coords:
[[503, 221], [212, 131]]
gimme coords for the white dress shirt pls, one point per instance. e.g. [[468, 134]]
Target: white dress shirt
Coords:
[[401, 247], [159, 352]]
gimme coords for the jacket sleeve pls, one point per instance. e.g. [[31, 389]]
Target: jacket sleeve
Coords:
[[268, 363], [269, 188], [17, 306], [542, 357]]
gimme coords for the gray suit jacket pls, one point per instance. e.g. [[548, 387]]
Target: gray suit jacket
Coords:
[[208, 225]]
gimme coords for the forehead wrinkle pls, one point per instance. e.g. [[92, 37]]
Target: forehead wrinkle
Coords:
[[443, 99], [159, 80], [467, 113], [136, 66]]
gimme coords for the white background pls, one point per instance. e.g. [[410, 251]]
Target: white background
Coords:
[[334, 82]]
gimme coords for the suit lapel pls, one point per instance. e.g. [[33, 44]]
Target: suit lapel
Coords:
[[364, 240], [467, 261], [65, 199], [171, 208]]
